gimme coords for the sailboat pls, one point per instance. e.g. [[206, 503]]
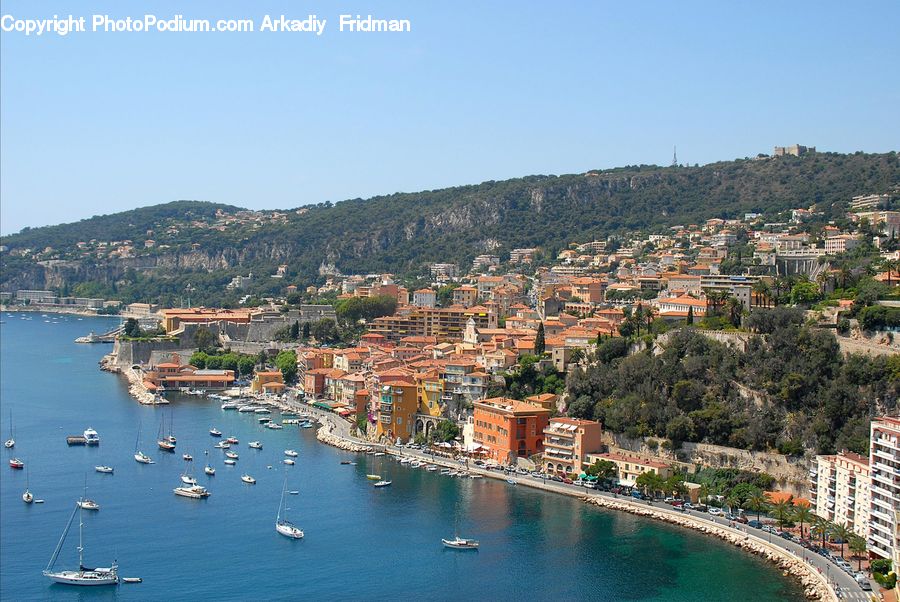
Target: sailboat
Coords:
[[84, 575], [187, 476], [459, 543], [165, 442], [140, 456], [282, 524], [27, 497], [11, 442], [84, 503]]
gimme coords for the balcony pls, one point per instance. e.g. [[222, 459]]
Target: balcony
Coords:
[[883, 504], [880, 453]]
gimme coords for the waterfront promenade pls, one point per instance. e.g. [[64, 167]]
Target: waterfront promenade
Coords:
[[820, 577]]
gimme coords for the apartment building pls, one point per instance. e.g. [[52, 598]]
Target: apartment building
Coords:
[[445, 324], [509, 429], [840, 491], [567, 441], [629, 468], [884, 465]]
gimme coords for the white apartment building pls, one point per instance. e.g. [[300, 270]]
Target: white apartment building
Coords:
[[840, 490], [884, 463]]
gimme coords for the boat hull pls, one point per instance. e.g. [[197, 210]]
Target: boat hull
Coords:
[[83, 577], [289, 531]]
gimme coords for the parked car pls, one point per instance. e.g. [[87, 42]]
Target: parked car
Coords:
[[755, 524], [713, 511], [567, 481], [863, 581], [479, 463]]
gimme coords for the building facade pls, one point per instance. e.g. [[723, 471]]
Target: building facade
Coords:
[[509, 429], [840, 492], [884, 464], [567, 441]]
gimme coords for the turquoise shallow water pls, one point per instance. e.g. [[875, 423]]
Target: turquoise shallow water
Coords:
[[361, 543]]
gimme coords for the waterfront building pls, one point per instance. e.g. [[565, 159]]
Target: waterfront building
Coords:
[[567, 441], [629, 468], [509, 429], [173, 375], [884, 466], [267, 381], [840, 490], [443, 323], [174, 319], [394, 410]]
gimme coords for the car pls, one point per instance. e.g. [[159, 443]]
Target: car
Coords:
[[567, 481], [863, 581], [786, 535], [557, 478], [755, 524], [688, 506], [713, 511], [590, 485], [616, 490], [669, 500], [479, 463]]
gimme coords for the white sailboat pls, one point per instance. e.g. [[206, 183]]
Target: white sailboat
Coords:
[[140, 456], [282, 524], [11, 442], [84, 575], [187, 477], [27, 497]]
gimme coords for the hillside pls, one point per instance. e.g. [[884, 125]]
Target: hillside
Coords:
[[205, 244]]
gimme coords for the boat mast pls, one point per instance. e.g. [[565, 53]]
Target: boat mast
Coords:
[[80, 528], [62, 539]]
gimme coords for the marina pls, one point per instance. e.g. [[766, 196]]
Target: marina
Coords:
[[524, 534]]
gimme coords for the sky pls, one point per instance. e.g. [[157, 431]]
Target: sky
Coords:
[[94, 123]]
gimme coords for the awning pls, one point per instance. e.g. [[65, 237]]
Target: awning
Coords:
[[345, 412]]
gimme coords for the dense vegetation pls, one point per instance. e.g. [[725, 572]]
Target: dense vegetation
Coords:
[[790, 390], [402, 233]]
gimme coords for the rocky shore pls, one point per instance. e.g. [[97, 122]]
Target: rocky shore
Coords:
[[136, 388], [326, 435], [815, 586]]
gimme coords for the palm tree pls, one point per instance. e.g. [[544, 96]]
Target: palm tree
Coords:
[[783, 510], [842, 532], [733, 502], [822, 527], [858, 547], [821, 280], [891, 266], [735, 309], [802, 514], [763, 291], [758, 502]]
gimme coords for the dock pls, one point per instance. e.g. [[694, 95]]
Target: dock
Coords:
[[76, 440]]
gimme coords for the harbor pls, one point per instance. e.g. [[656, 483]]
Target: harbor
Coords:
[[164, 538]]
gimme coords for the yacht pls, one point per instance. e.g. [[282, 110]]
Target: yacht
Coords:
[[274, 426], [460, 543], [84, 575], [255, 445], [91, 437], [222, 445], [262, 411], [104, 469], [16, 463], [288, 461], [231, 455], [188, 479], [230, 405], [248, 479], [264, 419], [142, 458], [383, 483], [187, 457], [247, 409], [373, 477], [282, 524], [229, 462], [215, 432], [290, 453], [209, 470], [192, 491], [86, 504], [232, 440]]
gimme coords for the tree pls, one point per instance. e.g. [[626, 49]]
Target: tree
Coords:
[[286, 361], [803, 515], [132, 329], [325, 331], [204, 339], [445, 431], [295, 330], [246, 364], [539, 344], [783, 510], [305, 330], [733, 502], [821, 527], [602, 469], [650, 482], [690, 315], [804, 293], [842, 533], [758, 502], [858, 546]]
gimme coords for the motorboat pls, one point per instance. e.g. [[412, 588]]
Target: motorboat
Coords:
[[84, 575], [282, 524], [188, 479], [460, 543], [291, 453], [288, 461], [187, 457], [230, 405], [91, 437], [86, 504], [247, 409], [142, 458], [230, 462], [345, 462], [222, 445], [373, 477], [274, 426], [232, 440], [262, 411], [192, 491], [215, 432], [264, 419], [27, 497], [231, 455], [248, 479], [255, 445], [209, 470], [383, 483], [16, 463], [379, 454], [104, 469]]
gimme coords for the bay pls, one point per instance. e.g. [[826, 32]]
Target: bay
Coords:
[[361, 543]]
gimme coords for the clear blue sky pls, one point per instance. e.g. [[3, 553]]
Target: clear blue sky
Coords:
[[96, 123]]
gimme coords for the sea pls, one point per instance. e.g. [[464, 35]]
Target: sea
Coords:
[[361, 543]]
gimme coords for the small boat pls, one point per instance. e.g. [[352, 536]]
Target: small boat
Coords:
[[293, 492], [16, 463], [209, 470], [193, 491], [231, 455], [27, 497], [282, 524], [264, 420], [460, 543], [383, 483], [247, 409], [306, 425], [187, 457], [288, 461], [132, 580], [222, 445], [262, 411], [11, 442], [232, 440], [142, 458], [188, 479], [373, 477], [291, 453], [379, 454], [91, 437], [230, 405], [274, 426], [84, 575], [431, 468], [475, 476], [511, 481], [255, 445], [215, 432], [166, 445], [230, 462], [86, 504], [248, 479], [104, 469], [345, 462]]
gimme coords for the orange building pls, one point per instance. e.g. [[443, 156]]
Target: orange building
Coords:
[[173, 319], [567, 442], [267, 381], [509, 429]]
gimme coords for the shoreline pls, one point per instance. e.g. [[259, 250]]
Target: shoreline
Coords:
[[814, 584]]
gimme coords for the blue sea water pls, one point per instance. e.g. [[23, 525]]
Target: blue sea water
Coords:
[[361, 543]]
